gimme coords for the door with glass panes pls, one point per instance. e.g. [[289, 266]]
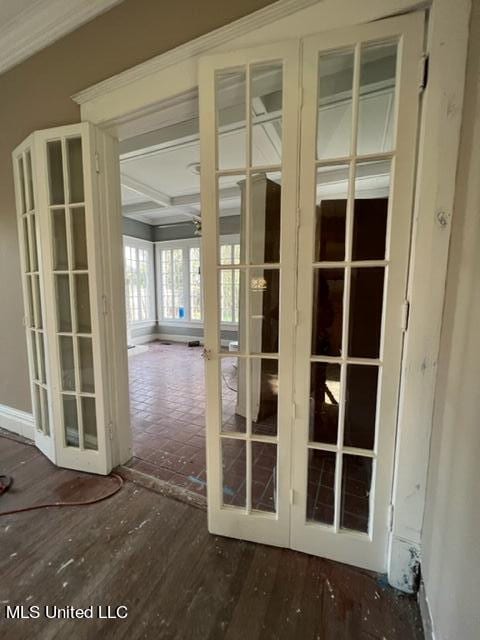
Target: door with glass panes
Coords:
[[312, 158], [249, 142], [64, 184]]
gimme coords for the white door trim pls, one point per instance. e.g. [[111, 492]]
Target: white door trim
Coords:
[[194, 48], [138, 92], [127, 104], [440, 124]]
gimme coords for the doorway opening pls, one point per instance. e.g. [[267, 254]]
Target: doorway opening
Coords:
[[161, 217], [162, 244]]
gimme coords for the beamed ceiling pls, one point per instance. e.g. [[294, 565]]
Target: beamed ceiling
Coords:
[[160, 170]]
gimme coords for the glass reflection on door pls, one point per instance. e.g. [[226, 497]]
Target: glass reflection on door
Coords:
[[249, 108], [34, 302], [355, 148], [72, 292]]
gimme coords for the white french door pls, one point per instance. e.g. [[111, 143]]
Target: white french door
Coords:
[[249, 165], [359, 124], [311, 144], [64, 213]]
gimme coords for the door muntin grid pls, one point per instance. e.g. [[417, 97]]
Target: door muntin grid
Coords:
[[249, 102], [33, 286], [70, 274], [350, 262]]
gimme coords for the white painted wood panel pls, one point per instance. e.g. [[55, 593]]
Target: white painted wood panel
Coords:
[[368, 550], [72, 442], [270, 528]]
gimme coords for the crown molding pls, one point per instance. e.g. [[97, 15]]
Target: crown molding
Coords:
[[42, 23], [200, 45]]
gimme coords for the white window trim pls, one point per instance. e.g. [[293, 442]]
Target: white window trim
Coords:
[[186, 243], [139, 243], [229, 239]]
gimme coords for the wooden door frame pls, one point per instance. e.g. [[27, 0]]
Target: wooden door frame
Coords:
[[127, 103]]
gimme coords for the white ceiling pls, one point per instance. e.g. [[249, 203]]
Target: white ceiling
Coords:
[[160, 180], [166, 173], [167, 170]]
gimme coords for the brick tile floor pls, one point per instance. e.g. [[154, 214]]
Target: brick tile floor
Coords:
[[167, 403], [167, 406]]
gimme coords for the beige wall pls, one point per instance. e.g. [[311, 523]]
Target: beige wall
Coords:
[[36, 94], [451, 537]]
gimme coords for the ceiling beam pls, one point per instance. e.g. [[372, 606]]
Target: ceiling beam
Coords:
[[268, 127], [150, 193], [142, 208], [159, 140], [229, 193], [139, 207]]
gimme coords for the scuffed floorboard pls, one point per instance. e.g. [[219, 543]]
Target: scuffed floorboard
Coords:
[[155, 556]]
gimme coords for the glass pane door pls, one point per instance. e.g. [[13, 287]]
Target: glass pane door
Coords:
[[248, 114], [64, 226], [74, 271], [72, 293], [356, 190], [28, 216]]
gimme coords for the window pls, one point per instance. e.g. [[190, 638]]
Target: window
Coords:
[[229, 283], [195, 284], [180, 284], [172, 284], [138, 280]]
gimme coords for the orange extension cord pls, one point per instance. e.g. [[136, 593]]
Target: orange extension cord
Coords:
[[79, 503]]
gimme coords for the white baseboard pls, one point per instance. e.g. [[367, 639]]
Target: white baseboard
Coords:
[[172, 337], [145, 339], [137, 349], [16, 421], [403, 564], [169, 337], [425, 613]]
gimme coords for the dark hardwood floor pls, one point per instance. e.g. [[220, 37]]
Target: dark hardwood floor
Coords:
[[155, 556]]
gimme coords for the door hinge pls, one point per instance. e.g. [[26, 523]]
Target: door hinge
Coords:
[[97, 162], [405, 315], [292, 496], [206, 354], [294, 410], [104, 304], [423, 81], [390, 517], [110, 430], [299, 215]]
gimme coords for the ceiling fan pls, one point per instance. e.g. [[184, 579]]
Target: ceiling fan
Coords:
[[194, 219]]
